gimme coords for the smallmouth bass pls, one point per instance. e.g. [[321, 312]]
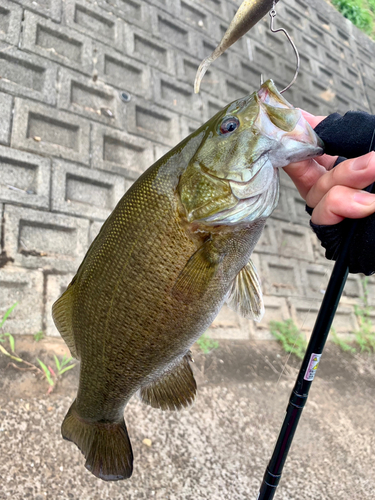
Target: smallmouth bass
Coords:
[[175, 248]]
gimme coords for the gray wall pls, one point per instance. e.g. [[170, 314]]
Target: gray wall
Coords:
[[70, 146]]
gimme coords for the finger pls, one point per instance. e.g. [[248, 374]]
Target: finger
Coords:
[[305, 174], [312, 119], [342, 202], [325, 160], [356, 173]]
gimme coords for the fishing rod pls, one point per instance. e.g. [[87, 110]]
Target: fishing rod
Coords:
[[311, 359]]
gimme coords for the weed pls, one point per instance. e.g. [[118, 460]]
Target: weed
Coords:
[[359, 12], [365, 337], [341, 343], [39, 336], [290, 337], [62, 366], [206, 344]]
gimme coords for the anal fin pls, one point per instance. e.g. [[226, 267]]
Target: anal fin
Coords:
[[174, 390], [245, 296], [62, 311]]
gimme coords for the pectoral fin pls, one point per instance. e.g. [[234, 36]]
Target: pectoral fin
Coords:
[[174, 390], [246, 296], [196, 276], [62, 316]]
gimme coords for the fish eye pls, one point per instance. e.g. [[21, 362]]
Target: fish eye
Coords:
[[228, 125]]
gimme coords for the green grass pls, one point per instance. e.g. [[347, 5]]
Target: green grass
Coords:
[[206, 344], [360, 12], [344, 346], [365, 337], [290, 337], [38, 336], [8, 348]]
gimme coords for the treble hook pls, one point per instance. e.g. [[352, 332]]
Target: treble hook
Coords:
[[272, 14]]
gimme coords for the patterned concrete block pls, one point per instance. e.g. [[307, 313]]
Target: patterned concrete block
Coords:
[[370, 290], [353, 287], [276, 309], [149, 50], [196, 16], [131, 11], [262, 57], [61, 44], [177, 96], [26, 288], [304, 313], [280, 276], [282, 211], [211, 105], [235, 89], [45, 130], [95, 101], [10, 22], [268, 242], [81, 191], [153, 122], [216, 7], [6, 104], [160, 151], [56, 284], [25, 178], [188, 126], [120, 152], [27, 75], [124, 73], [229, 325], [94, 22], [249, 72], [315, 279], [170, 6], [293, 241], [49, 8], [43, 240], [95, 227], [173, 32]]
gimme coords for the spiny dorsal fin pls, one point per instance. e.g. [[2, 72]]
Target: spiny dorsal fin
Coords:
[[198, 272], [246, 295], [173, 390], [62, 311]]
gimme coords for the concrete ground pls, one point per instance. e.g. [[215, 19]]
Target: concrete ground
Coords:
[[216, 450]]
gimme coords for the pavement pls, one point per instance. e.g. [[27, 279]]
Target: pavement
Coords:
[[217, 449]]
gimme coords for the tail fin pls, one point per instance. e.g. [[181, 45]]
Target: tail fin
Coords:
[[106, 446]]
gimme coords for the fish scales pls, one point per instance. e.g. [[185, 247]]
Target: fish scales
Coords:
[[175, 248]]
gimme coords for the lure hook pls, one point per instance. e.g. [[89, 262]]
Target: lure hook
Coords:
[[272, 14]]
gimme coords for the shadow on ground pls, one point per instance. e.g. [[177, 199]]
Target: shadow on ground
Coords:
[[216, 450]]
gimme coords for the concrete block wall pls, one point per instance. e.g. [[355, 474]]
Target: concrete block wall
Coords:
[[71, 141]]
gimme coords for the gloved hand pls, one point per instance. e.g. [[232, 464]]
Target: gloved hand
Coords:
[[337, 194]]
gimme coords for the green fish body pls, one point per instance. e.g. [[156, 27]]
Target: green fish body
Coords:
[[175, 248]]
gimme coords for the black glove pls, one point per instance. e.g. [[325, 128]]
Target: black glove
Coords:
[[350, 135]]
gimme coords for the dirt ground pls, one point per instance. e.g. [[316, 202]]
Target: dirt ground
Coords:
[[218, 449]]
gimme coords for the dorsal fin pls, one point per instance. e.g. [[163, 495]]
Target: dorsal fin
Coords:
[[246, 295], [174, 390], [62, 311]]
